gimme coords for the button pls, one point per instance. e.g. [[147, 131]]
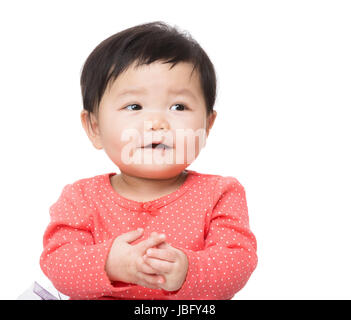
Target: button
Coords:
[[146, 207]]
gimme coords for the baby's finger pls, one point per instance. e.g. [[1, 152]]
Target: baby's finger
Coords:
[[131, 235], [142, 266], [150, 280], [152, 241], [163, 254], [163, 245], [159, 265]]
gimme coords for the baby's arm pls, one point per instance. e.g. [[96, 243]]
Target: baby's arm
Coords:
[[71, 258]]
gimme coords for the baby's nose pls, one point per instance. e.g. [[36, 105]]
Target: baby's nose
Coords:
[[156, 124]]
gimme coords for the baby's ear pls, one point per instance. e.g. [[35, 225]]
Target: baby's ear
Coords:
[[210, 121], [91, 128]]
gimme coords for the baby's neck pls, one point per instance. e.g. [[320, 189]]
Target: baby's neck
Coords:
[[143, 189]]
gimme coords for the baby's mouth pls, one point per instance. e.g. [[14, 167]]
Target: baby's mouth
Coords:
[[156, 146]]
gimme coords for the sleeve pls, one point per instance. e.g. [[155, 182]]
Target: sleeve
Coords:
[[229, 257], [71, 259]]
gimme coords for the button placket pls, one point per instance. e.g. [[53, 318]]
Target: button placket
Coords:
[[143, 208], [147, 208]]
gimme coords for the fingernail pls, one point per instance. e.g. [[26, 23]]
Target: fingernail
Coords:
[[149, 251], [160, 281], [140, 229]]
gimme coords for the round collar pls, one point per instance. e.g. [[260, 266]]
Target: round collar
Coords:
[[150, 206]]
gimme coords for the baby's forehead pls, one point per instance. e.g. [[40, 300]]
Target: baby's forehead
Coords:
[[180, 78]]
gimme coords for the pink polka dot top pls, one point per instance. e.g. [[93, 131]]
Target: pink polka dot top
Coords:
[[206, 218]]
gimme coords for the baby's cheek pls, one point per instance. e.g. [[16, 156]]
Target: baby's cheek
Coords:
[[122, 151]]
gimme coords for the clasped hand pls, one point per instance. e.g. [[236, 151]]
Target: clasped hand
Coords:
[[152, 263]]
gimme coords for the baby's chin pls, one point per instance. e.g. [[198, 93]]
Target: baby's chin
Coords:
[[153, 171]]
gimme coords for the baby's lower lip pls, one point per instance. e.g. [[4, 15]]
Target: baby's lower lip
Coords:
[[158, 148]]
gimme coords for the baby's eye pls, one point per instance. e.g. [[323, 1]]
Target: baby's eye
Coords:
[[181, 107], [132, 107], [136, 107]]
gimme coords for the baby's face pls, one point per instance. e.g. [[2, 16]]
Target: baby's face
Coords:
[[152, 104]]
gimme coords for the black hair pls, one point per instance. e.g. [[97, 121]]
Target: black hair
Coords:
[[143, 44]]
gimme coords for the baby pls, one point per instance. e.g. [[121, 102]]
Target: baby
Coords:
[[156, 230]]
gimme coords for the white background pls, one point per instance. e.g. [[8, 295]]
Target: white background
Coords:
[[283, 127]]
